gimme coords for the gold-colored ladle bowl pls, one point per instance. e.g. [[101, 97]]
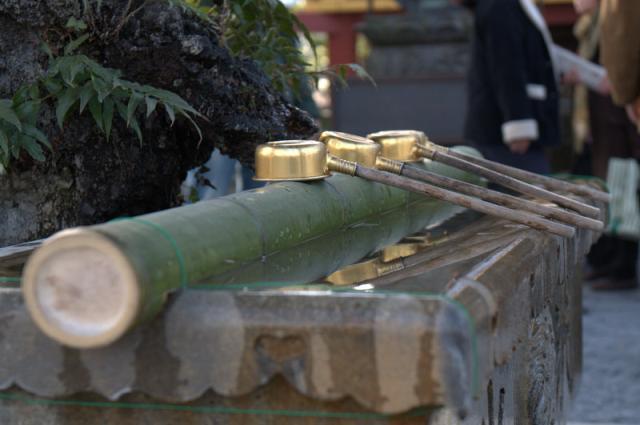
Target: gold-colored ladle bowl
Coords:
[[351, 147], [400, 145], [303, 160], [299, 160]]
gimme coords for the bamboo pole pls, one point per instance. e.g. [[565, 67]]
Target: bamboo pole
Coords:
[[88, 286], [319, 257], [527, 176]]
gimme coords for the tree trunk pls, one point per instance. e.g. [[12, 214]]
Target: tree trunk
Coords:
[[87, 179]]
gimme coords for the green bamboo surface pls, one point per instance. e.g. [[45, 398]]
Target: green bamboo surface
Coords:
[[188, 245]]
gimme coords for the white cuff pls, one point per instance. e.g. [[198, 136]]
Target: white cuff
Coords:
[[536, 91], [520, 129]]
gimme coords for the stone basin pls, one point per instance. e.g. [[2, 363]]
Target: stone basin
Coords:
[[479, 324]]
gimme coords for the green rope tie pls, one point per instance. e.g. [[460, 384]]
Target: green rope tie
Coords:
[[184, 279], [10, 280], [13, 397]]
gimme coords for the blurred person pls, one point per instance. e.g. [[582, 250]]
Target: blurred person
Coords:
[[220, 170], [218, 178], [512, 113], [620, 44], [587, 32], [609, 133]]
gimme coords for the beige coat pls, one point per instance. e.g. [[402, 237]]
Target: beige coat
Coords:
[[587, 32], [620, 47]]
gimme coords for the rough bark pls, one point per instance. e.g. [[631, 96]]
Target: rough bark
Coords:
[[87, 179]]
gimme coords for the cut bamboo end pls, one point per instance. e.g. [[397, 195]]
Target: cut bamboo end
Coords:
[[81, 290]]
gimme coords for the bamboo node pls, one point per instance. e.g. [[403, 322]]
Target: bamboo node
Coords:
[[389, 165], [342, 166]]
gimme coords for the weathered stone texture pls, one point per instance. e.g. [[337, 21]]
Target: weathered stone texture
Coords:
[[87, 179], [492, 335]]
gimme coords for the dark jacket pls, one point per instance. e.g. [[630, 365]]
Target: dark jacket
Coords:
[[512, 85]]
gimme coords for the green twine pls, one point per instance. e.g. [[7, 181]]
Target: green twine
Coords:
[[10, 280], [203, 409], [184, 279]]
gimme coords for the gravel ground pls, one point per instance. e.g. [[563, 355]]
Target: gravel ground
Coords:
[[610, 388]]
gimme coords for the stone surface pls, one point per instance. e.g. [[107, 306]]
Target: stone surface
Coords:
[[610, 385], [87, 179], [383, 343], [301, 354]]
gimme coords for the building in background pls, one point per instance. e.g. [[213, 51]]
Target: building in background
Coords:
[[418, 55]]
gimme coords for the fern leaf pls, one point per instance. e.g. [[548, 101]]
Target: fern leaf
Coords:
[[86, 94], [7, 114], [101, 87], [15, 150], [4, 143], [151, 103], [47, 50], [194, 126], [361, 72], [122, 109], [134, 102], [36, 134], [32, 147], [28, 111], [64, 104], [170, 112], [107, 116], [76, 24], [74, 44], [95, 107], [136, 127]]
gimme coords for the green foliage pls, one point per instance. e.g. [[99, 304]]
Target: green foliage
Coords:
[[199, 8], [76, 24], [77, 83], [18, 129], [340, 73], [266, 31]]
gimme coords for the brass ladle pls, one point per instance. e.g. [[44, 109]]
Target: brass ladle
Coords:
[[402, 149], [384, 270], [308, 160], [527, 176], [390, 259], [424, 148]]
